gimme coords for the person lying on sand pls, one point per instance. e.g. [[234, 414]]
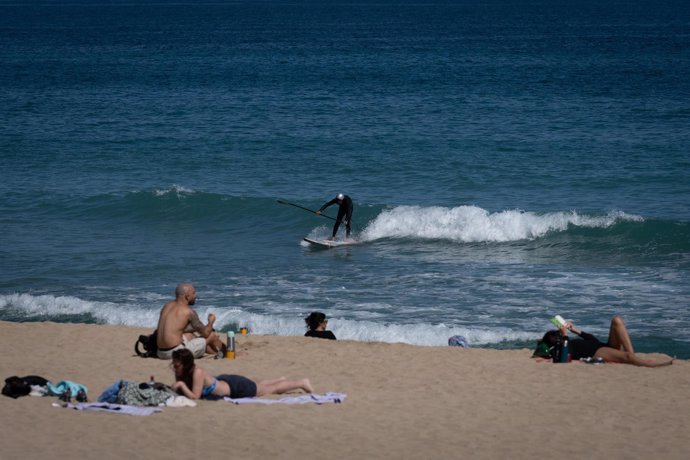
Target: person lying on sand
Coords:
[[196, 383], [618, 348]]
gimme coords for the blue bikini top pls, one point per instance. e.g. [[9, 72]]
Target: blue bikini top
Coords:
[[206, 391]]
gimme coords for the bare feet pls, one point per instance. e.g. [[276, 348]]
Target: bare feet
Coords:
[[306, 386], [664, 363]]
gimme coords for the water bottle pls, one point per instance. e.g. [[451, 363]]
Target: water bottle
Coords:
[[230, 352], [564, 351]]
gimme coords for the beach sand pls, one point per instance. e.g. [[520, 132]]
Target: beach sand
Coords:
[[403, 402]]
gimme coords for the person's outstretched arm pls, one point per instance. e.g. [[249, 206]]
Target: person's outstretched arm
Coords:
[[197, 385], [327, 204]]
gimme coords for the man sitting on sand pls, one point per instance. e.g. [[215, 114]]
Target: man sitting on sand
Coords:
[[178, 321]]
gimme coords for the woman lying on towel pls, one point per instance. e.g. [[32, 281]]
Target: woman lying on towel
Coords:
[[618, 348], [195, 383]]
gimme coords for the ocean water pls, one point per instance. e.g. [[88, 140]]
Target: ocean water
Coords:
[[508, 161]]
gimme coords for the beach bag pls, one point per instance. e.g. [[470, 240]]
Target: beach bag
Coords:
[[149, 345], [111, 393], [142, 394], [542, 350], [21, 386]]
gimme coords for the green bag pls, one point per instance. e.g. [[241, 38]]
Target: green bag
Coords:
[[542, 350]]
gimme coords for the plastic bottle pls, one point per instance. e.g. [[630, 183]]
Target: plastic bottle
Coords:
[[230, 352], [564, 351]]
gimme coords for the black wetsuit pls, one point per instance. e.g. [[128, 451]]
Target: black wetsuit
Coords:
[[345, 210], [585, 346], [320, 334]]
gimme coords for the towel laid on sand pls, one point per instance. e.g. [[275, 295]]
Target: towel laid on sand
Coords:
[[179, 401], [302, 399], [64, 385], [112, 408]]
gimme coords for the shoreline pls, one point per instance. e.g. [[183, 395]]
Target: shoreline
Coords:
[[403, 401]]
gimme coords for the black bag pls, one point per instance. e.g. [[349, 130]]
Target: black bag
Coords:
[[543, 350], [21, 386], [149, 344]]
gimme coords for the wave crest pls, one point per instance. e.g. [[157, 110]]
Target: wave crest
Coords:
[[176, 190], [27, 307], [471, 224]]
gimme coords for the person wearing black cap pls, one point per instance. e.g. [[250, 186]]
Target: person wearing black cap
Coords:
[[344, 212]]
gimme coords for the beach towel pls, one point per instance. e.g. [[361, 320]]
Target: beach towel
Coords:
[[179, 401], [64, 385], [301, 399], [595, 361], [112, 408]]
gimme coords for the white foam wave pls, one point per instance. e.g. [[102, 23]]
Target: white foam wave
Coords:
[[47, 307], [414, 334], [470, 224], [176, 190]]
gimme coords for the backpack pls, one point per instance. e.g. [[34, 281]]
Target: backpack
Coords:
[[149, 344]]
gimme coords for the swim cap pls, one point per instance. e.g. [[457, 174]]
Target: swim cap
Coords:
[[340, 197]]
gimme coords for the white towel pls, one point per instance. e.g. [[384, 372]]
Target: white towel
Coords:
[[112, 408], [180, 401], [302, 399]]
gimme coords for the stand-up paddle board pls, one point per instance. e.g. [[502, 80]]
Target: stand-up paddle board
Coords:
[[329, 243]]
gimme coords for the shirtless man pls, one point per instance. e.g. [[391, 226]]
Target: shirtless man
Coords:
[[178, 321]]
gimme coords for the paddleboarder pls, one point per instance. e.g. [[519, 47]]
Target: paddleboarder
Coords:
[[344, 211]]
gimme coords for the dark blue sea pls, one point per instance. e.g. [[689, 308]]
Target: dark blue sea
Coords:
[[508, 161]]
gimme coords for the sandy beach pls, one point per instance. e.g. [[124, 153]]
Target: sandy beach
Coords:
[[402, 402]]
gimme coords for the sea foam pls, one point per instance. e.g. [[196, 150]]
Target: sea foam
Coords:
[[47, 307], [470, 224]]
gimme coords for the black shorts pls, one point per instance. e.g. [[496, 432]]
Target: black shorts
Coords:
[[240, 387]]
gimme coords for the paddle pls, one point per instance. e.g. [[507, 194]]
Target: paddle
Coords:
[[307, 209]]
